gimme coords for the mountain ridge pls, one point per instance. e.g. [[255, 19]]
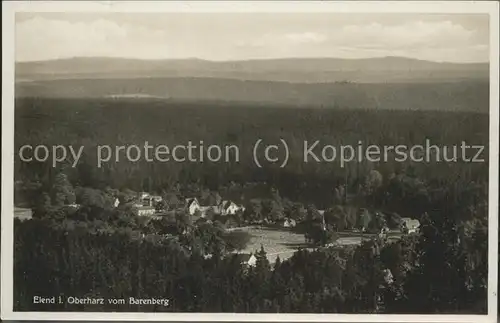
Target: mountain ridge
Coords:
[[296, 70], [401, 58]]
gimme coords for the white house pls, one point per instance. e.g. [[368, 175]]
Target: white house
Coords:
[[247, 259], [192, 205], [228, 207], [116, 202]]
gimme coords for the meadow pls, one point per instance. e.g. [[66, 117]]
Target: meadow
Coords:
[[284, 242]]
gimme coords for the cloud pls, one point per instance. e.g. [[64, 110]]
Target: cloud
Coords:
[[42, 37], [39, 38], [306, 37], [410, 34]]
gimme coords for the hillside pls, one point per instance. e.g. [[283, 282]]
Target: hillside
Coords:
[[298, 70], [456, 96]]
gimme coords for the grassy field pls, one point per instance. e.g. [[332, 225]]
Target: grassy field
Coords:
[[283, 242], [275, 241]]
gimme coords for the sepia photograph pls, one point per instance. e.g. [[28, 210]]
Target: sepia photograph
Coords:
[[282, 161]]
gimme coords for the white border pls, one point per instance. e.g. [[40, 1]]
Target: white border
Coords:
[[8, 11]]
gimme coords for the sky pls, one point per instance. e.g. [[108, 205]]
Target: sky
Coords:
[[242, 36]]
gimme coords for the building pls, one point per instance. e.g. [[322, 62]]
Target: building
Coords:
[[287, 223], [192, 206], [23, 213], [409, 225], [116, 202], [246, 259], [228, 207], [145, 210]]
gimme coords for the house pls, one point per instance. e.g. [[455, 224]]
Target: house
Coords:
[[192, 206], [246, 259], [145, 210], [23, 213], [287, 223], [116, 202], [228, 207], [409, 225], [74, 206]]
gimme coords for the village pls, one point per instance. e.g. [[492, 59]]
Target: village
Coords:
[[280, 238]]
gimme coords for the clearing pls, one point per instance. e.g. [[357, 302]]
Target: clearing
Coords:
[[283, 242]]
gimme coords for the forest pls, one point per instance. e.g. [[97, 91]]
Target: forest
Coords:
[[123, 122], [110, 253], [102, 252]]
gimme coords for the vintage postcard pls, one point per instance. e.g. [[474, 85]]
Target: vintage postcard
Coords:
[[250, 161]]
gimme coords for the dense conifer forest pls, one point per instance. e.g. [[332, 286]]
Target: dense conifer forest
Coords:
[[103, 252]]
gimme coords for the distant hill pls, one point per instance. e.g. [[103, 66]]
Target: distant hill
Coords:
[[449, 96], [376, 83], [295, 70]]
